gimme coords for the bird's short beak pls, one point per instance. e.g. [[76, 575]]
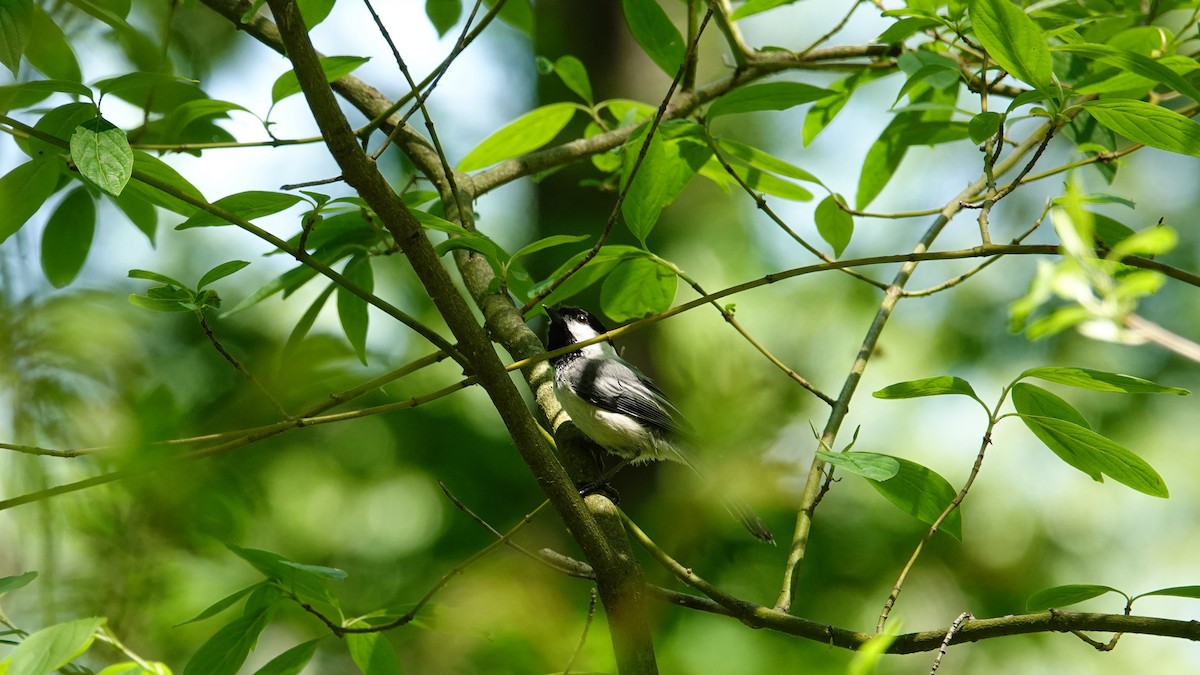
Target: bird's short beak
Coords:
[[551, 312]]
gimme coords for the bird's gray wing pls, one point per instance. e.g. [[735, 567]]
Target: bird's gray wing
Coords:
[[617, 386]]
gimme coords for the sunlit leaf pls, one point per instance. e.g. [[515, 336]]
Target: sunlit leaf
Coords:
[[766, 96], [637, 287], [335, 68], [226, 651], [220, 272], [524, 134], [443, 14], [1097, 380], [1062, 596], [1148, 124], [290, 662], [1133, 62], [102, 154], [53, 647], [655, 33], [373, 654], [247, 205], [572, 73], [834, 224], [221, 605], [23, 191], [10, 584], [1012, 39], [865, 464], [16, 28], [930, 386], [48, 49], [921, 492]]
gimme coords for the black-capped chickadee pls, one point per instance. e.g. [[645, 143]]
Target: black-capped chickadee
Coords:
[[617, 406]]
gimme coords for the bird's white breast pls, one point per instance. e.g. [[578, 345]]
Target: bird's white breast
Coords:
[[615, 432]]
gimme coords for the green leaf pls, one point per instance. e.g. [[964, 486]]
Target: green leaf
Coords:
[[1148, 124], [636, 288], [931, 386], [1098, 380], [922, 493], [1012, 40], [1061, 596], [102, 154], [16, 28], [314, 11], [548, 242], [372, 653], [1133, 62], [53, 647], [248, 205], [443, 14], [440, 224], [352, 310], [1065, 433], [305, 584], [290, 662], [179, 118], [1033, 400], [10, 584], [305, 324], [764, 162], [905, 27], [221, 605], [752, 7], [220, 272], [655, 33], [675, 154], [596, 269], [524, 134], [516, 13], [767, 96], [983, 126], [835, 225], [68, 237], [865, 464], [23, 191], [154, 168], [319, 570], [335, 68], [155, 276], [138, 82], [572, 73], [886, 153], [1175, 591], [762, 181], [226, 651], [160, 304], [49, 51]]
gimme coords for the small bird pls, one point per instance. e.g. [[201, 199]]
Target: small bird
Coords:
[[617, 406]]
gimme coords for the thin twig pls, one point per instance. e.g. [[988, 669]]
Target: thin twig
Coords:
[[591, 613], [937, 661], [833, 31], [237, 365]]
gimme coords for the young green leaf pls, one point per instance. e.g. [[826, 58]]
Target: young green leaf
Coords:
[[1061, 596], [930, 386], [304, 583], [1090, 452], [655, 33], [834, 224], [155, 276], [161, 304], [752, 7], [905, 27], [983, 126], [767, 96], [676, 153], [443, 14], [1097, 380], [335, 68], [68, 237], [548, 242], [921, 492], [524, 134], [372, 653], [53, 647], [1174, 591], [597, 268], [1148, 124], [865, 464], [10, 584], [764, 161], [1033, 400], [23, 191], [305, 324], [314, 11], [1133, 62], [221, 605], [1012, 40], [220, 272], [16, 27], [352, 310], [49, 51], [248, 205], [292, 661], [636, 288], [226, 651], [516, 13], [572, 73]]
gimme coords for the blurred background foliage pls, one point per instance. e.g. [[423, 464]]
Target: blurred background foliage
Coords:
[[81, 368]]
